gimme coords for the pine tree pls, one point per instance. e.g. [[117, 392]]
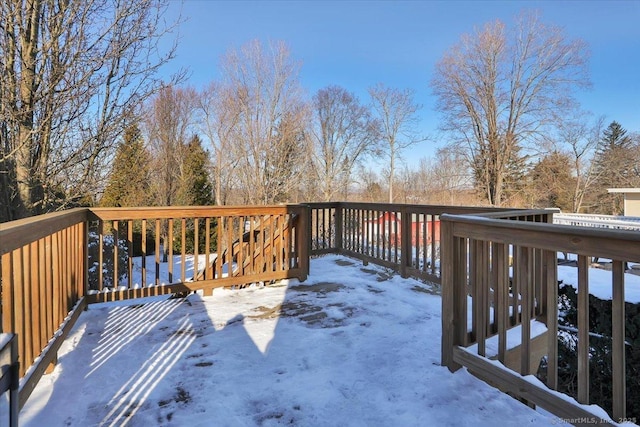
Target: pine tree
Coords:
[[128, 183], [195, 189], [552, 183], [614, 165]]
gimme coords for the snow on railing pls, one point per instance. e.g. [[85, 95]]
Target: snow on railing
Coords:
[[599, 221]]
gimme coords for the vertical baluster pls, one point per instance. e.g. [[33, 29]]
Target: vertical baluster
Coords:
[[143, 258], [230, 247], [32, 298], [157, 252], [463, 277], [551, 284], [7, 288], [424, 242], [207, 250], [219, 248], [25, 304], [49, 283], [169, 250], [267, 239], [100, 255], [196, 254], [618, 361], [130, 254], [500, 279], [240, 258], [524, 278], [583, 329], [116, 240], [434, 236], [183, 248]]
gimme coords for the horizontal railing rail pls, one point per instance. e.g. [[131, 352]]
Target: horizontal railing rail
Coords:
[[402, 237], [501, 274], [183, 249]]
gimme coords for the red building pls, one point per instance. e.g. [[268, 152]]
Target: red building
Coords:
[[389, 227]]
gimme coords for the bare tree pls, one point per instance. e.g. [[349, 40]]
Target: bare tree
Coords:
[[446, 178], [498, 92], [397, 114], [370, 188], [270, 141], [72, 73], [221, 112], [579, 140], [344, 133], [169, 124]]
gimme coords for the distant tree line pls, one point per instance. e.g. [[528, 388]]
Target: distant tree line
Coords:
[[84, 120], [269, 144]]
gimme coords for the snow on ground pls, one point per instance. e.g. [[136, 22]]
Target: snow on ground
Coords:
[[600, 283], [351, 346]]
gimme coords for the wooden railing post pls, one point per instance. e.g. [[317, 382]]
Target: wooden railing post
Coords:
[[303, 243], [405, 242], [618, 343], [85, 256], [550, 273], [449, 332], [339, 226], [583, 330]]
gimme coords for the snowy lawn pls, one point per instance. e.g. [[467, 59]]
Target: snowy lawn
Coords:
[[351, 346]]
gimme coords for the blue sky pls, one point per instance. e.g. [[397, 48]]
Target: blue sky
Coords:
[[356, 44]]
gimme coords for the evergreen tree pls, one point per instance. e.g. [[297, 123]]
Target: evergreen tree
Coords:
[[128, 183], [615, 163], [552, 183], [515, 178], [195, 189]]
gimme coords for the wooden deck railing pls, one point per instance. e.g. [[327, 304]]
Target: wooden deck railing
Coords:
[[52, 266], [226, 245], [500, 264], [405, 238], [43, 273], [477, 252]]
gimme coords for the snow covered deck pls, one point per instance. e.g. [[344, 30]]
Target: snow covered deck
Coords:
[[352, 345]]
